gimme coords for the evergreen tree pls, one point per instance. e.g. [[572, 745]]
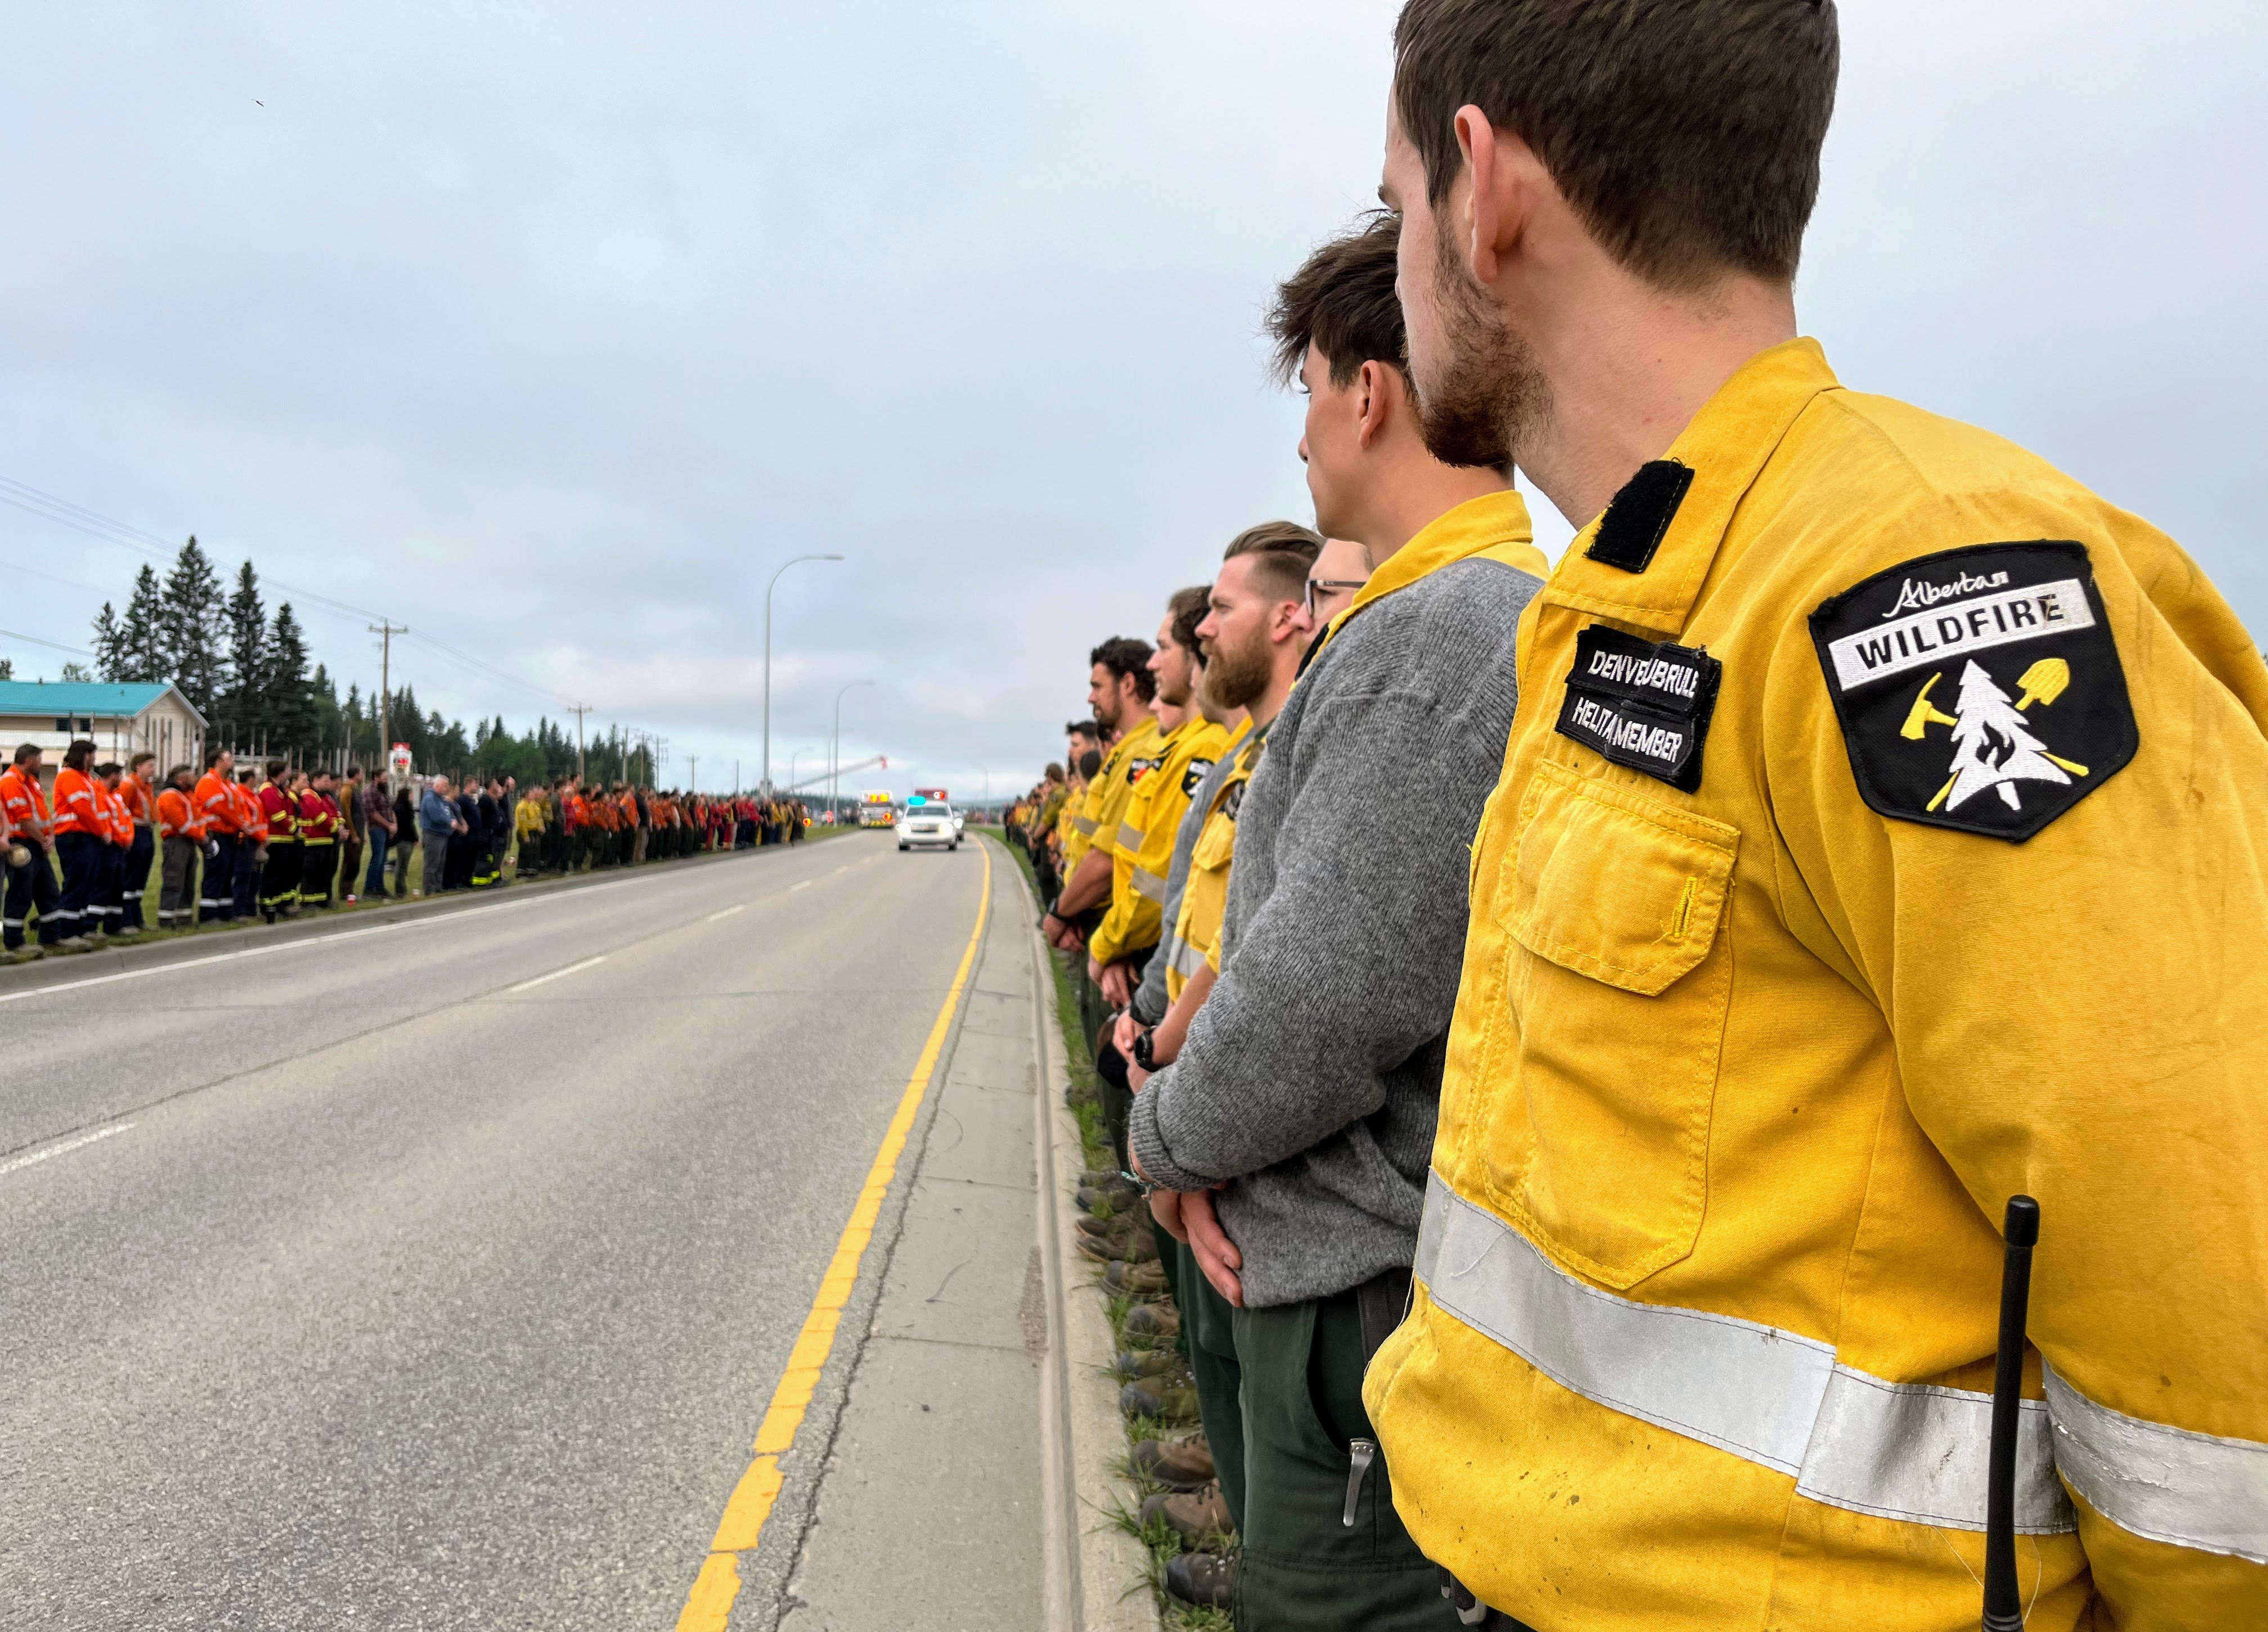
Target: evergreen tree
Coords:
[[288, 688], [243, 707], [1992, 747], [7, 669], [191, 628], [142, 632], [330, 719], [77, 674], [107, 662]]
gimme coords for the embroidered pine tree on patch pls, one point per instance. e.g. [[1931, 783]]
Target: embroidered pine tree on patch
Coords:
[[1992, 748]]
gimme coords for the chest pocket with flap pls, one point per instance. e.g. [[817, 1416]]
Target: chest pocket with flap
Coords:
[[1618, 974]]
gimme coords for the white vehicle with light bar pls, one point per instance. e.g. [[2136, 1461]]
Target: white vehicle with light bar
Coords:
[[927, 822]]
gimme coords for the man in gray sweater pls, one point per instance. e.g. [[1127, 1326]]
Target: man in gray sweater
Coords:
[[1296, 1120]]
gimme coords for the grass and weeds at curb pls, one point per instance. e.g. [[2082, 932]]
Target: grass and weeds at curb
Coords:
[[1162, 1542]]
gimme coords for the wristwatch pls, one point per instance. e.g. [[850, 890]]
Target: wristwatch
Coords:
[[1141, 1055]]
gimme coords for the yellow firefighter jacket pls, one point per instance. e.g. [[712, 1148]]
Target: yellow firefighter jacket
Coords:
[[1204, 894], [1882, 833], [1145, 840], [1099, 813]]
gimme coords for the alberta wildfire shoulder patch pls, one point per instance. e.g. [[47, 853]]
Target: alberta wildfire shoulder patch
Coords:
[[1978, 690]]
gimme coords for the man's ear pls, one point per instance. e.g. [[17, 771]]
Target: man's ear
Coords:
[[1374, 391], [1499, 169]]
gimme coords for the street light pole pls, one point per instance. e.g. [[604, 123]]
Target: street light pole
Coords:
[[768, 662], [835, 749], [792, 758]]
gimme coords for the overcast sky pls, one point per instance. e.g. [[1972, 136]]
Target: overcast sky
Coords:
[[549, 331]]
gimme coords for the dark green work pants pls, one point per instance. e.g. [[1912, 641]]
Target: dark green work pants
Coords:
[[1209, 1341], [1305, 1568]]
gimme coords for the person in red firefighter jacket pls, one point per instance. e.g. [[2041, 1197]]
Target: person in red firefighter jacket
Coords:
[[319, 835], [252, 854], [279, 874]]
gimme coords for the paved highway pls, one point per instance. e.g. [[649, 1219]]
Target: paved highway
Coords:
[[437, 1275]]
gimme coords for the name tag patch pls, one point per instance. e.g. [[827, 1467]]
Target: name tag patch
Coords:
[[1978, 688], [1642, 705]]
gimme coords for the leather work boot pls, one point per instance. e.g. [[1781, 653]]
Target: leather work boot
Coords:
[[1205, 1579], [1121, 1197], [1159, 1322], [1112, 1228], [1196, 1514], [1184, 1464], [1134, 1246], [1133, 1363], [1137, 1280], [1168, 1398]]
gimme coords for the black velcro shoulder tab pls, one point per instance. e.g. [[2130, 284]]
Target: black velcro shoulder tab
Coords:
[[1636, 523]]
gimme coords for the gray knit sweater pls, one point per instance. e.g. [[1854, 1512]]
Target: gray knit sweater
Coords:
[[1312, 1077]]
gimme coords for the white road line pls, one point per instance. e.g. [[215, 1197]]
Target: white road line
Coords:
[[844, 868], [727, 912], [67, 1146], [793, 888], [556, 973], [312, 941]]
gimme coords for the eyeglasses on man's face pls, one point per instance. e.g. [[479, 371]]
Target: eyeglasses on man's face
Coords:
[[1323, 589]]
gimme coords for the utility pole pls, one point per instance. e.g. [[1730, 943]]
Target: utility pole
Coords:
[[693, 783], [768, 662], [578, 711], [386, 632]]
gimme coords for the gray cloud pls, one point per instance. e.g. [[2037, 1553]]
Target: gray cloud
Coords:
[[552, 330]]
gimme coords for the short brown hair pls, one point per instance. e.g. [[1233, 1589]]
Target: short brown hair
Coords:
[[1282, 552], [1342, 302], [1184, 612], [1685, 133]]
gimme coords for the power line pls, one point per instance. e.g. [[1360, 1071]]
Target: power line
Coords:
[[53, 645], [127, 536]]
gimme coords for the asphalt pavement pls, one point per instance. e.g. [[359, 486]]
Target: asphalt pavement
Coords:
[[437, 1273]]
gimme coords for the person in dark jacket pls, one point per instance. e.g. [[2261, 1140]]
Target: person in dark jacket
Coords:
[[405, 838], [488, 837]]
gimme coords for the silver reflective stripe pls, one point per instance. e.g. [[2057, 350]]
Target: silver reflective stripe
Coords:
[[1129, 839], [1850, 1440], [1187, 959], [2166, 1484], [1150, 885], [1085, 824]]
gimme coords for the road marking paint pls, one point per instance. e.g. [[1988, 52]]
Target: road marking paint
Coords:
[[844, 868], [793, 888], [556, 973], [727, 912], [67, 1146], [308, 942], [708, 1605]]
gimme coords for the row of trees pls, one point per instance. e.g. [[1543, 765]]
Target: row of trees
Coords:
[[250, 675]]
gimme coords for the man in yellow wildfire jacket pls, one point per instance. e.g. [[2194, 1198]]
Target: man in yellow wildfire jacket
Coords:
[[1879, 836], [1119, 689], [1143, 845]]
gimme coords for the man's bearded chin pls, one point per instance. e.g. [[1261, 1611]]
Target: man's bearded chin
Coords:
[[1237, 678], [1485, 396]]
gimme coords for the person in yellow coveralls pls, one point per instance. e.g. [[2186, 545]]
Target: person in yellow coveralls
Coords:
[[1879, 837], [1121, 947], [1119, 689]]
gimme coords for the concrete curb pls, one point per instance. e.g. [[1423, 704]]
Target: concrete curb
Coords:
[[1096, 1571]]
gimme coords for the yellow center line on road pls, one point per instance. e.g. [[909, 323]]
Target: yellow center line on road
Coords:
[[710, 1603]]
